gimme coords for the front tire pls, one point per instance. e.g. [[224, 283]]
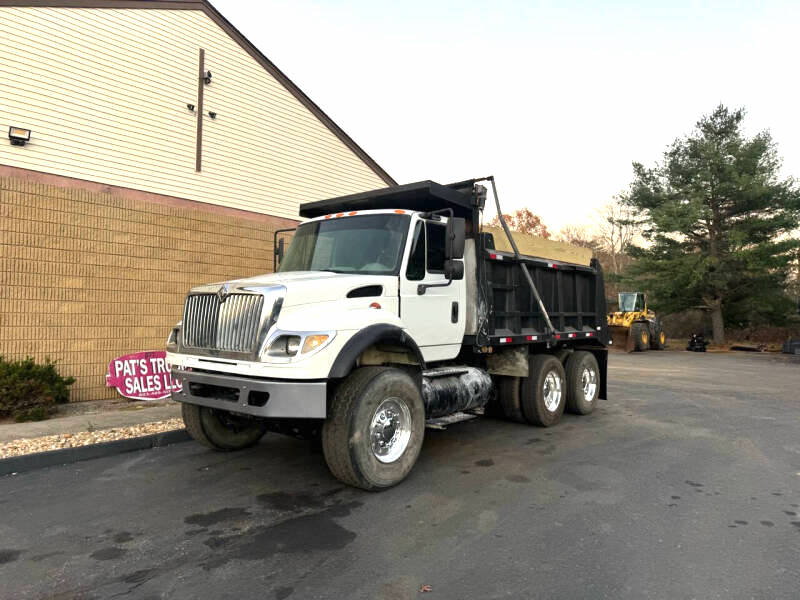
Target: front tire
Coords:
[[219, 429], [583, 382], [641, 337], [374, 433], [543, 391]]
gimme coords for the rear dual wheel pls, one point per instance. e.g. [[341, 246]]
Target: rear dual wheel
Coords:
[[541, 398], [583, 382], [543, 393], [538, 399]]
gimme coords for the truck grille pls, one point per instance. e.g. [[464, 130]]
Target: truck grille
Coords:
[[231, 325]]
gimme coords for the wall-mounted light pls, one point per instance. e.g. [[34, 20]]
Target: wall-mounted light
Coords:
[[207, 78], [190, 107], [19, 136], [212, 114]]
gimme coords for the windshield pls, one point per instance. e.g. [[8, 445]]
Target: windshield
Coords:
[[366, 244], [627, 302]]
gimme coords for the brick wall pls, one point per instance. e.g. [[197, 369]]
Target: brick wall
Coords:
[[89, 273]]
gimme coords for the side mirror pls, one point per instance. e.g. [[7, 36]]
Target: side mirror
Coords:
[[454, 241], [279, 250], [454, 269]]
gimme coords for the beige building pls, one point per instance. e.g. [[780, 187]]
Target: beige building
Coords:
[[164, 150]]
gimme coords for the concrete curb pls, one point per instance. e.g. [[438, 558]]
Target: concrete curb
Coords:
[[40, 460]]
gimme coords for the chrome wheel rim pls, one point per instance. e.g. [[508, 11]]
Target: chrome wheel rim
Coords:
[[552, 391], [589, 384], [390, 430]]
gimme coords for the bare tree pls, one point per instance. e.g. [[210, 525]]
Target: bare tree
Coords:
[[579, 235], [617, 227]]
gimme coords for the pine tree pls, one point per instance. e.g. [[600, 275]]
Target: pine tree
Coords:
[[718, 223]]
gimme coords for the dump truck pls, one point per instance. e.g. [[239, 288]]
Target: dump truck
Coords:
[[390, 310], [634, 327]]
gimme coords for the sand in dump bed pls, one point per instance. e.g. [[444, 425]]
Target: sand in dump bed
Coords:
[[85, 438], [531, 245]]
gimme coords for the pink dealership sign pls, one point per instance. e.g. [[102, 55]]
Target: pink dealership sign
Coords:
[[141, 376]]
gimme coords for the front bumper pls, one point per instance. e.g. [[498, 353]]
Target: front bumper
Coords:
[[272, 398]]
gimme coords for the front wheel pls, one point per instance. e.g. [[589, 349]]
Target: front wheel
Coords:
[[374, 432], [219, 429], [641, 337]]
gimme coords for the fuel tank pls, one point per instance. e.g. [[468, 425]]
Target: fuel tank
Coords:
[[448, 390]]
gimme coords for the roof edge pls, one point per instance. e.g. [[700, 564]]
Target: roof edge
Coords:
[[234, 33]]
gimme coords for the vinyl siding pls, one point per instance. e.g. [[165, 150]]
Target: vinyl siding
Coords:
[[105, 92]]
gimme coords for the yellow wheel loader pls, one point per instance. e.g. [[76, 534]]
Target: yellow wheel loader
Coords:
[[634, 327]]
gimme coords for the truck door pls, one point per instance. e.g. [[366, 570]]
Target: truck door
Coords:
[[436, 318]]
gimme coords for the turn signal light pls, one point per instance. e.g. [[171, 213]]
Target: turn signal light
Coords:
[[313, 341]]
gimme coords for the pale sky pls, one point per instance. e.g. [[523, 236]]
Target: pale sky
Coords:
[[555, 99]]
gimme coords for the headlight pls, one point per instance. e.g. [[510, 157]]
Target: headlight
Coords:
[[284, 346], [297, 345]]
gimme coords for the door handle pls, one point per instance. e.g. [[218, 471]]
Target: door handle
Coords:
[[454, 312]]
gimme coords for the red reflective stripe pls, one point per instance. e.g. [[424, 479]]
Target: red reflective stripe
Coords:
[[558, 336], [505, 340]]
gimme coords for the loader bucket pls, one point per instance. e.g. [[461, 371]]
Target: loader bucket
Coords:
[[622, 338]]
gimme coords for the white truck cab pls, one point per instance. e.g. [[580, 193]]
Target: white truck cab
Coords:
[[358, 334]]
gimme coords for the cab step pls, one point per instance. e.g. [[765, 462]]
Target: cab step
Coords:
[[442, 423]]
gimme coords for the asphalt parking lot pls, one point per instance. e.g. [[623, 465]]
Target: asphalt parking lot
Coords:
[[686, 484]]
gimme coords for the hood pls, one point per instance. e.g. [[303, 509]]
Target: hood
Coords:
[[307, 287]]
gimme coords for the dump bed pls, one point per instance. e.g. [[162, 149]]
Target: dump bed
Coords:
[[572, 294]]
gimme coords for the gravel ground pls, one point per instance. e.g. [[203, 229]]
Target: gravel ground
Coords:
[[84, 438]]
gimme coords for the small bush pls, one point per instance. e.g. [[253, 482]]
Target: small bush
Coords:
[[30, 391]]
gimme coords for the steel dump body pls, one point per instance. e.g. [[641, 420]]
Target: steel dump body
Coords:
[[573, 296]]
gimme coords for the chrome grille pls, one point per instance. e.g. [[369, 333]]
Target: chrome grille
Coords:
[[231, 325]]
